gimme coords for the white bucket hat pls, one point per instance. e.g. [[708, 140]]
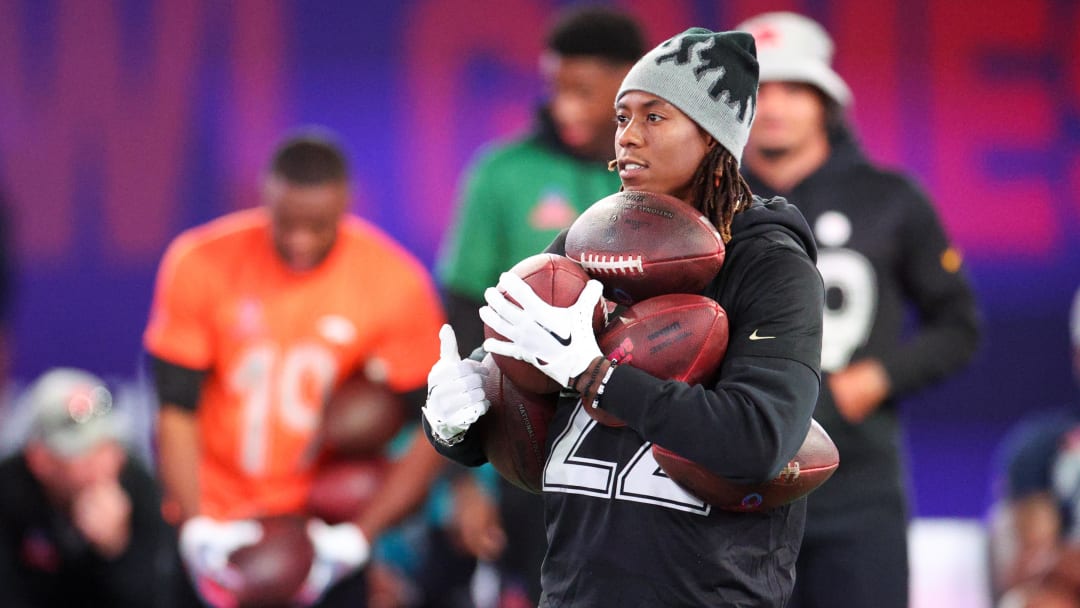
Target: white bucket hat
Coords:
[[794, 48]]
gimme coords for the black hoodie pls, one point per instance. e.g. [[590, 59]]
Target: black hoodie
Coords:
[[620, 533], [897, 257]]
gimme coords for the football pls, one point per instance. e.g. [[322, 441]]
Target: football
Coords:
[[343, 488], [515, 429], [360, 418], [673, 337], [815, 462], [641, 244], [273, 569], [558, 281]]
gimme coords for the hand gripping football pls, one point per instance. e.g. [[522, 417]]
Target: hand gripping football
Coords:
[[641, 244], [273, 569], [673, 337], [558, 281]]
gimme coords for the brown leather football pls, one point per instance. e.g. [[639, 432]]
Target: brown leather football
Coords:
[[273, 569], [642, 244], [558, 281], [815, 462], [514, 430]]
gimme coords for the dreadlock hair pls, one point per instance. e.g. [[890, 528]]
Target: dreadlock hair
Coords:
[[719, 190]]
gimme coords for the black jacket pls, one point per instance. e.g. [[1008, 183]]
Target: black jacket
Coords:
[[45, 562], [882, 254], [622, 535]]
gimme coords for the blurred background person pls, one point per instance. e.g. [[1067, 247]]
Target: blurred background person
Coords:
[[516, 197], [1035, 526], [257, 316], [80, 518], [882, 251]]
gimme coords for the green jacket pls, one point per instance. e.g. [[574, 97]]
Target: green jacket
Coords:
[[516, 199]]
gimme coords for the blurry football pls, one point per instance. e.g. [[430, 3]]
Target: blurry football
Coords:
[[558, 281], [815, 462], [515, 429], [641, 244], [273, 569], [360, 418], [673, 337], [344, 488]]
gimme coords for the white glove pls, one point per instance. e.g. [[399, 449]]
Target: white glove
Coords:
[[557, 341], [339, 550], [455, 391], [205, 546]]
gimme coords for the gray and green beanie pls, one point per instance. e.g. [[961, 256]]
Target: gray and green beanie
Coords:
[[712, 77]]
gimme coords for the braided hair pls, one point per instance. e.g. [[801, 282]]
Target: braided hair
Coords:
[[719, 190]]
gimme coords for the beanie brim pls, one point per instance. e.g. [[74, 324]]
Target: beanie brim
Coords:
[[776, 68]]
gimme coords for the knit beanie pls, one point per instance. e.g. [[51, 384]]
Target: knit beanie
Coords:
[[794, 48], [712, 77]]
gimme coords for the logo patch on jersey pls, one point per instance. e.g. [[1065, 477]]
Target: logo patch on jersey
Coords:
[[336, 329], [832, 229], [552, 212], [250, 320], [951, 260], [755, 337]]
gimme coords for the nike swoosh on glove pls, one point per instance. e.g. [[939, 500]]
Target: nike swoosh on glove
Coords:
[[340, 550], [455, 391], [205, 546], [557, 341]]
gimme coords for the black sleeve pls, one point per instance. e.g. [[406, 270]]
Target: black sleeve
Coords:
[[753, 421], [137, 577], [469, 452], [175, 384], [934, 281]]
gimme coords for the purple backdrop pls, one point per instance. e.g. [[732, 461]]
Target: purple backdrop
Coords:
[[123, 123]]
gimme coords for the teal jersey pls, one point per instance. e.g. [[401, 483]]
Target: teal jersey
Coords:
[[516, 199]]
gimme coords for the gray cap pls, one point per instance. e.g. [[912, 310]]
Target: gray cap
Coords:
[[72, 411], [794, 48], [712, 77]]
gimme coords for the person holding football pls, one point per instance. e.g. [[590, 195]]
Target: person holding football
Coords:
[[628, 537], [257, 316]]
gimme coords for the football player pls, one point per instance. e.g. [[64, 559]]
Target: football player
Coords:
[[256, 317], [618, 533]]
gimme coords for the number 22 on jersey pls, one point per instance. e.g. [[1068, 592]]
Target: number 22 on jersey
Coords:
[[639, 480]]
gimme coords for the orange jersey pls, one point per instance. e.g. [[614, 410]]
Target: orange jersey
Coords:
[[274, 342]]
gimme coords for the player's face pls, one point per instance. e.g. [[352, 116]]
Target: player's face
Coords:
[[790, 116], [657, 147], [581, 90], [305, 219]]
